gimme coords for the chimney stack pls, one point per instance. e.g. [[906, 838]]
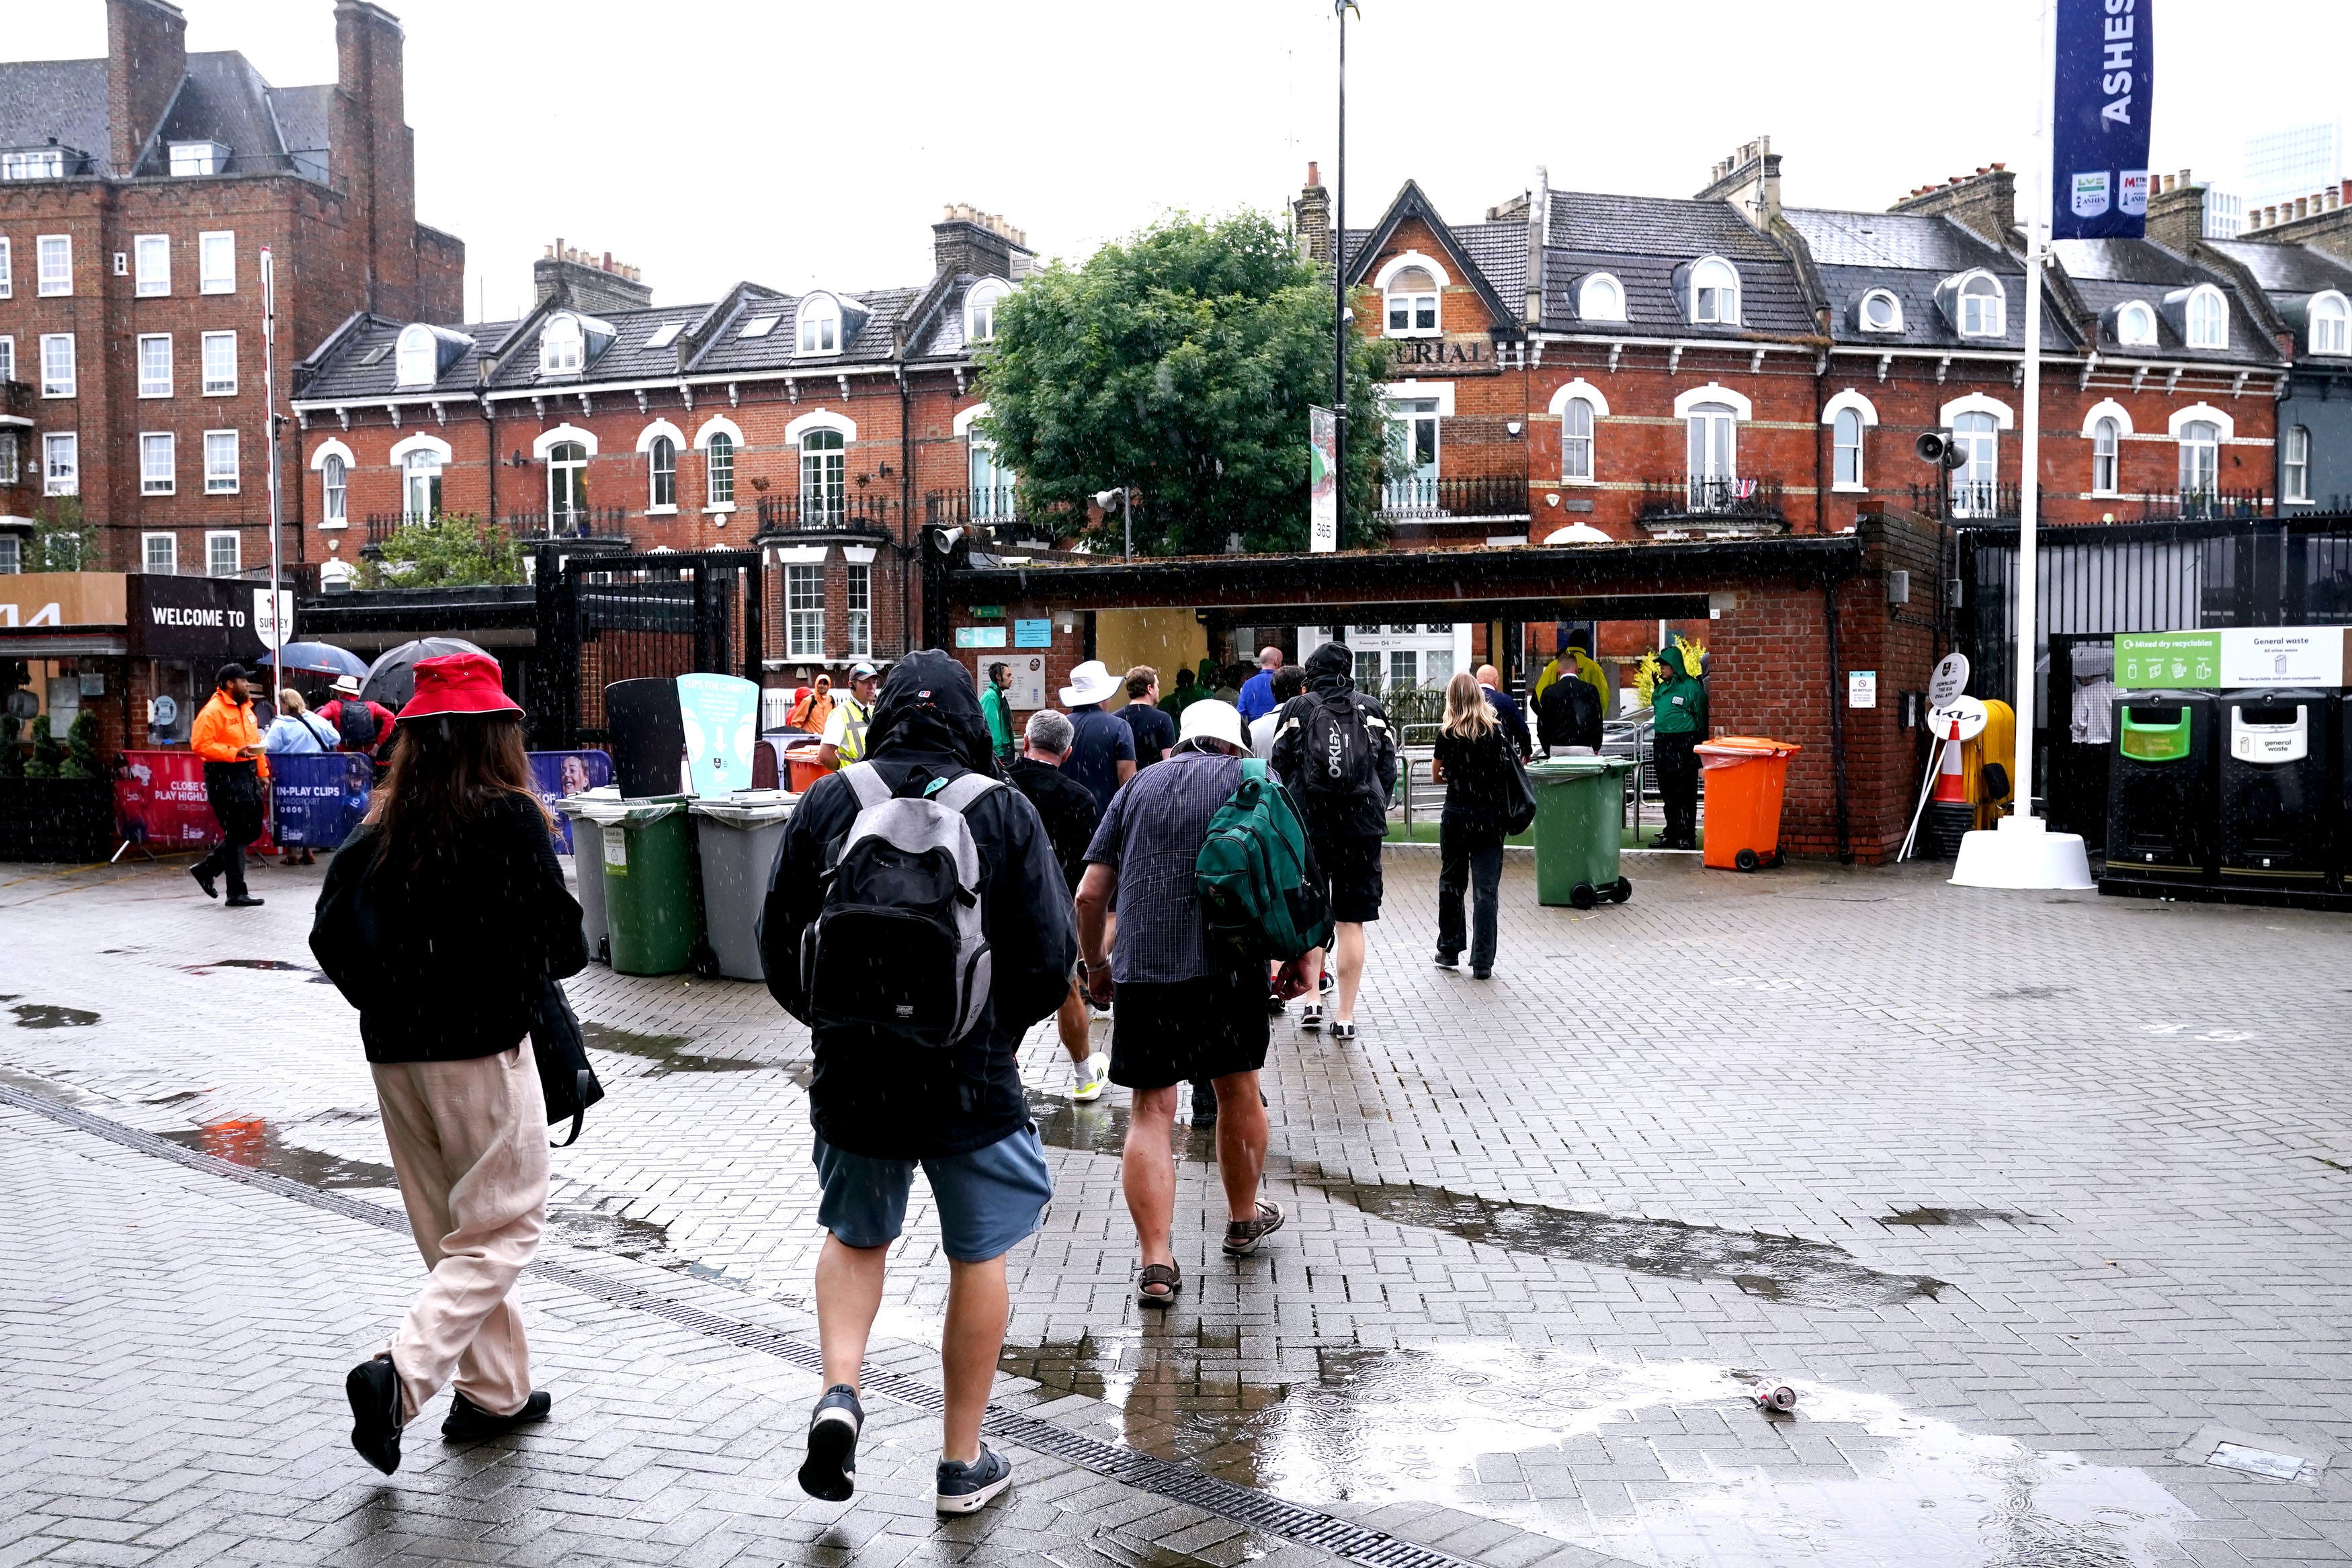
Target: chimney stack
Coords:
[[373, 161], [1984, 203], [1751, 180], [588, 281], [2176, 215], [967, 240], [1310, 219], [146, 56]]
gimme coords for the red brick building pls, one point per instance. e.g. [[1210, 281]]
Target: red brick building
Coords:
[[827, 428], [137, 195]]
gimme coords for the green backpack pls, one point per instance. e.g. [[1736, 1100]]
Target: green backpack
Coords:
[[1251, 875]]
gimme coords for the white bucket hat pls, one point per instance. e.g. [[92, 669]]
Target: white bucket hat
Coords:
[[348, 685], [1211, 719], [1090, 682]]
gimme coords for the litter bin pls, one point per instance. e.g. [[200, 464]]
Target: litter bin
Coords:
[[1744, 777], [737, 838], [1579, 823], [2161, 815], [588, 864], [652, 925], [2276, 824]]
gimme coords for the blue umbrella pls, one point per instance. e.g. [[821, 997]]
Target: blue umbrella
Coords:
[[317, 659]]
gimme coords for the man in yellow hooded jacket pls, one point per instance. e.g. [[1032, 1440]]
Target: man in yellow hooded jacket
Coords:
[[1575, 658]]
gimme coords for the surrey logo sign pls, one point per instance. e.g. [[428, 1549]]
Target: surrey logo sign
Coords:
[[2099, 118]]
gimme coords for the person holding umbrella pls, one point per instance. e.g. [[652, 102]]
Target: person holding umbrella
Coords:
[[360, 726]]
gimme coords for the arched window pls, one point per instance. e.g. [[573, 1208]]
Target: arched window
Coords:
[[820, 325], [1714, 448], [979, 310], [1983, 307], [1881, 312], [1976, 492], [562, 347], [2135, 326], [1846, 437], [1576, 441], [2209, 317], [1412, 303], [824, 461], [567, 488], [992, 482], [420, 483], [718, 470], [2295, 465], [2106, 456], [416, 363], [2331, 324], [661, 464], [1601, 299], [2200, 459], [1715, 292], [333, 509]]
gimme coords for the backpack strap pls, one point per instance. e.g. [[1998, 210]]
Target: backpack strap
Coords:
[[866, 780], [957, 794], [1252, 767]]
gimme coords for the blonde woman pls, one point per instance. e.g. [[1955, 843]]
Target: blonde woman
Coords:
[[1472, 761]]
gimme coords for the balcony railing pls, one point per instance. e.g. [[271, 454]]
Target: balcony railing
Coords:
[[1966, 500], [812, 512], [2205, 505], [1434, 499], [983, 504], [1707, 496], [583, 523]]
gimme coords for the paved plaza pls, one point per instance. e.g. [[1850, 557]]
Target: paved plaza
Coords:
[[2036, 1199]]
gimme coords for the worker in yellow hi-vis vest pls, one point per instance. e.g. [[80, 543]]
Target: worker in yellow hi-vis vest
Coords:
[[844, 728]]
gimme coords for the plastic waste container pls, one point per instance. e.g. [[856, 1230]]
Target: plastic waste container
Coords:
[[588, 864], [1579, 823], [653, 922], [2277, 828], [737, 839], [2161, 815], [802, 768], [1744, 777]]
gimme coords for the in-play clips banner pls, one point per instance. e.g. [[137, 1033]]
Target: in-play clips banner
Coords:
[[2099, 118]]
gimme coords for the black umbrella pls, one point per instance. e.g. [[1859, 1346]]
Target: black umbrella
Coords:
[[391, 679]]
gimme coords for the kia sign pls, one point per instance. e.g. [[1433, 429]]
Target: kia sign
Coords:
[[2099, 118]]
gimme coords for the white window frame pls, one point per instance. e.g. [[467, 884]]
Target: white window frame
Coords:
[[151, 265], [216, 261], [1575, 443], [40, 163], [334, 490], [1846, 455], [1975, 484], [1409, 312], [655, 473], [53, 266], [817, 325], [858, 606], [192, 159], [1713, 311], [159, 479], [61, 463], [759, 326], [152, 360], [415, 357], [719, 471], [1991, 316], [2201, 457], [805, 612], [2106, 456], [2294, 463], [1862, 311], [573, 506], [213, 541], [2205, 318], [12, 555], [1585, 309], [420, 482], [170, 554], [53, 384], [979, 310], [215, 386], [2144, 313], [2328, 309], [563, 346], [1865, 412], [1710, 449], [218, 482], [8, 270], [825, 476], [7, 356]]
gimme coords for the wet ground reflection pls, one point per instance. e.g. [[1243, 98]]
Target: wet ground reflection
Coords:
[[1927, 1215], [34, 1016], [668, 1052]]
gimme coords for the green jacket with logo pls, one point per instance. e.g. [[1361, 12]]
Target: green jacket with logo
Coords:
[[1679, 705]]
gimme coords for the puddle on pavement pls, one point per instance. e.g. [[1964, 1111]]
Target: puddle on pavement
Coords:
[[259, 1145], [668, 1052], [34, 1016], [1099, 1127], [2030, 993], [597, 1229], [1925, 1216], [253, 963], [1860, 1483]]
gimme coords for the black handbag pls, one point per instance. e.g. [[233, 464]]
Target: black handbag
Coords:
[[565, 1079], [1518, 795]]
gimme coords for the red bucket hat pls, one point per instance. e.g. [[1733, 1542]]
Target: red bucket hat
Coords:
[[459, 684]]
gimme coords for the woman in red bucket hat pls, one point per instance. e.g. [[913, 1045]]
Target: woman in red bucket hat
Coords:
[[444, 919]]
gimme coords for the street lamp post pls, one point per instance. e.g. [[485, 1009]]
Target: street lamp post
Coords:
[[1126, 498], [1339, 300]]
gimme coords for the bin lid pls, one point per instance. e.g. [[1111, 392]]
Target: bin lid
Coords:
[[643, 811], [1727, 749], [576, 806], [1562, 769], [746, 808]]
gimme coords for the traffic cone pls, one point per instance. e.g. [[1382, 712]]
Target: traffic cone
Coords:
[[1951, 783]]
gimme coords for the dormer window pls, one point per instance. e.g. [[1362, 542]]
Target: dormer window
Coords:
[[759, 326], [416, 361], [1601, 298], [1715, 292], [40, 163], [820, 325], [2135, 326], [979, 310], [2331, 324], [1984, 307], [2209, 318], [1413, 304], [563, 347], [1881, 311], [664, 335], [199, 158]]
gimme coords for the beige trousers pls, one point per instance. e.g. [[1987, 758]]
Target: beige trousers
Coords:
[[468, 1140]]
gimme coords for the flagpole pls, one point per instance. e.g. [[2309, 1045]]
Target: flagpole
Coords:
[[2029, 490]]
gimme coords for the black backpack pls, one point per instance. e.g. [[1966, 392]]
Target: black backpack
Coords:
[[355, 723], [1339, 764]]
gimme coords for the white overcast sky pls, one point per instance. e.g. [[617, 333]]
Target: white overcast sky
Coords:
[[795, 144]]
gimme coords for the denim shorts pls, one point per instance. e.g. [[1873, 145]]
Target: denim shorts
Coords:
[[989, 1200]]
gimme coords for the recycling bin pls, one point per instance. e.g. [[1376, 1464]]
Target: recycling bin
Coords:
[[2277, 827], [1744, 778], [588, 864], [1579, 827], [653, 922], [737, 839], [2162, 820]]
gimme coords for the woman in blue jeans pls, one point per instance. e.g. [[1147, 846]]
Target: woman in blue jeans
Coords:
[[1473, 762]]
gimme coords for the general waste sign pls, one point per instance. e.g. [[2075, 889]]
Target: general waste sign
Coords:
[[2232, 657]]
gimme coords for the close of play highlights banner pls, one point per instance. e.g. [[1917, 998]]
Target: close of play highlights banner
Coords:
[[2099, 120]]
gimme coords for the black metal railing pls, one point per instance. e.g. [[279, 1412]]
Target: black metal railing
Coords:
[[819, 511], [2205, 505], [580, 523], [979, 505], [1422, 500], [1967, 500], [1711, 496]]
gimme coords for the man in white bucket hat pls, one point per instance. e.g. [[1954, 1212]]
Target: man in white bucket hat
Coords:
[[1102, 747]]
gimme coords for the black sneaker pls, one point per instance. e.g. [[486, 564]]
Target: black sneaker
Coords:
[[374, 1389], [830, 1472], [204, 880], [966, 1488], [243, 901], [1449, 961], [469, 1423]]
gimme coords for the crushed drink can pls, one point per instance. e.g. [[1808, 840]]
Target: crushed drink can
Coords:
[[1771, 1395]]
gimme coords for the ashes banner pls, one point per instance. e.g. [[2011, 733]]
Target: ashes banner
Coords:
[[2099, 118]]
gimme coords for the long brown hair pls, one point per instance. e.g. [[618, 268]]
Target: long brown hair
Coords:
[[446, 772], [1468, 714]]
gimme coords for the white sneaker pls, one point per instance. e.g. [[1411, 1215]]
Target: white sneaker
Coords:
[[1310, 1017], [1092, 1078]]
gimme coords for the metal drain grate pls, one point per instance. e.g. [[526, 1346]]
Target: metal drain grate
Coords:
[[1145, 1472]]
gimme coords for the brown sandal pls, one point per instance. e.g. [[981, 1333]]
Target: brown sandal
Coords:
[[1241, 1236], [1166, 1274]]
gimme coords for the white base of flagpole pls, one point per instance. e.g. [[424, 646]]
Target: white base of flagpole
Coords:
[[2023, 853]]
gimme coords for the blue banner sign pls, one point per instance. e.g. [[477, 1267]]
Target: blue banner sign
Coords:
[[555, 774], [2099, 118], [319, 798], [722, 718]]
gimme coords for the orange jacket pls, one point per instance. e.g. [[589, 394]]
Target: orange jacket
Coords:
[[221, 728]]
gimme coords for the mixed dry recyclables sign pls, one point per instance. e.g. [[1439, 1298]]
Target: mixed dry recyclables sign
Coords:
[[2233, 657]]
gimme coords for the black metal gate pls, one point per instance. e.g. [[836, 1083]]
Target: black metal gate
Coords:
[[603, 619]]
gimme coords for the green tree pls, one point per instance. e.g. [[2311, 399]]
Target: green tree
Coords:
[[81, 749], [62, 541], [47, 753], [446, 552], [1181, 363]]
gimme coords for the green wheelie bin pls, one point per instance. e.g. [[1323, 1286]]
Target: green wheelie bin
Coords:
[[1580, 818], [653, 919]]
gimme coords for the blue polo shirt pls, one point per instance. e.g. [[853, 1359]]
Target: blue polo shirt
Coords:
[[1101, 741], [1257, 696]]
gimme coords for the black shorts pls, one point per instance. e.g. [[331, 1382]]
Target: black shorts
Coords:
[[1351, 877], [1195, 1030]]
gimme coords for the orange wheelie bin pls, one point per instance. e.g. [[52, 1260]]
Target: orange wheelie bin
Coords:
[[1744, 776]]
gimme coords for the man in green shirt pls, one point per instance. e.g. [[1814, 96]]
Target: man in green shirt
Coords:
[[998, 713], [1678, 706]]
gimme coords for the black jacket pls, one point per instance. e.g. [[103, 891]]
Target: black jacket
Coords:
[[1364, 813], [1569, 713], [888, 1102], [441, 959], [1066, 807], [1477, 774]]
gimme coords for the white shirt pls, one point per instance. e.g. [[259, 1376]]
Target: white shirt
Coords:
[[1261, 734]]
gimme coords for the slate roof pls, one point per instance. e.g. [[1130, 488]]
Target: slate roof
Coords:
[[2287, 270], [1500, 249], [2106, 273], [345, 373], [1908, 255], [1640, 241], [64, 99], [221, 98]]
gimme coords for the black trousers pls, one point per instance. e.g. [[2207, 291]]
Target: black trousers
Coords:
[[1678, 785], [1470, 860], [234, 791]]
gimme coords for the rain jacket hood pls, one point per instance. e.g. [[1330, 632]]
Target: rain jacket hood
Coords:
[[1332, 670], [930, 705]]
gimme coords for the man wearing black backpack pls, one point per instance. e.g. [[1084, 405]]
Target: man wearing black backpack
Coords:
[[1335, 746], [917, 922]]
